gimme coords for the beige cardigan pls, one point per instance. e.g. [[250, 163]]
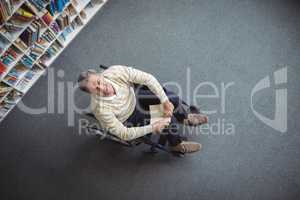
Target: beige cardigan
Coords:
[[112, 112]]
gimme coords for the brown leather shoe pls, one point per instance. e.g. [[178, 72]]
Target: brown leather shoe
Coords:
[[186, 147], [195, 119]]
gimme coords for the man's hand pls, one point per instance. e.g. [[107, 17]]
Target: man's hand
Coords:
[[168, 108], [160, 125]]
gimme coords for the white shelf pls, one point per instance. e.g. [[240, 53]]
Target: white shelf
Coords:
[[10, 109], [31, 82], [90, 12], [16, 83], [71, 36], [73, 17], [81, 6]]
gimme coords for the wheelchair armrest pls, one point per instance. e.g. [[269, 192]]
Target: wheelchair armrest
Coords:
[[103, 67], [90, 114]]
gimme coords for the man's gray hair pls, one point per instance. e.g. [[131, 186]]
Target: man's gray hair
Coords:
[[83, 79]]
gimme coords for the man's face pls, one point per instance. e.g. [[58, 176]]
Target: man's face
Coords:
[[96, 85]]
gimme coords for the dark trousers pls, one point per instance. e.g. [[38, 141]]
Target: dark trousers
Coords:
[[141, 116]]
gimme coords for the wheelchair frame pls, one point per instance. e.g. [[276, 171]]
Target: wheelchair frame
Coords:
[[154, 146]]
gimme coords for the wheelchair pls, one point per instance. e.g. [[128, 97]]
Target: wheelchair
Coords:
[[154, 146]]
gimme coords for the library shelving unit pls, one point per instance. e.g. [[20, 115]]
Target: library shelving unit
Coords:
[[33, 33]]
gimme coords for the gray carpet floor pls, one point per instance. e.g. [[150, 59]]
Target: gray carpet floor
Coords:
[[41, 157]]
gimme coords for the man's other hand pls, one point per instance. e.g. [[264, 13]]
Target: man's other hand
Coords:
[[168, 108], [160, 125]]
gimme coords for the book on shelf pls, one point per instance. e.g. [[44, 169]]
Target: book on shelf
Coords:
[[16, 24], [55, 27], [4, 89], [17, 70], [82, 14], [31, 34], [48, 36], [3, 43], [15, 74], [75, 24], [60, 4], [92, 4], [38, 5], [51, 51], [22, 84], [41, 43], [29, 78], [20, 21], [69, 29], [10, 79], [40, 23], [78, 21], [20, 44], [31, 7], [41, 64], [96, 2], [4, 108], [55, 48], [37, 49], [10, 55], [70, 10], [9, 30], [7, 59], [6, 9], [65, 33], [2, 68], [13, 97], [13, 51], [47, 18], [26, 61], [24, 14], [56, 6], [63, 21]]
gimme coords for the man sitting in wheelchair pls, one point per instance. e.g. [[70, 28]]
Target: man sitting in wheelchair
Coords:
[[120, 100]]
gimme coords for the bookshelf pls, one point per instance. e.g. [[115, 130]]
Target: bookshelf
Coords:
[[33, 33]]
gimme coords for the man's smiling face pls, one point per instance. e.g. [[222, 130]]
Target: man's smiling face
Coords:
[[97, 85]]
